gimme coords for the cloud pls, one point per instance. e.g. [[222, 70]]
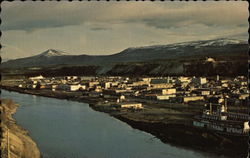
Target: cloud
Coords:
[[39, 15], [11, 52], [109, 27]]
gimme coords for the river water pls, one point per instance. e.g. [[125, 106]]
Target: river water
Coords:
[[68, 129]]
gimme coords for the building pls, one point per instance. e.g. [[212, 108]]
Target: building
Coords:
[[71, 77], [107, 85], [165, 97], [31, 86], [209, 59], [187, 99], [160, 85], [146, 79], [53, 87], [68, 87], [243, 96], [202, 91], [36, 77], [199, 80], [140, 83], [132, 105], [168, 91], [184, 79]]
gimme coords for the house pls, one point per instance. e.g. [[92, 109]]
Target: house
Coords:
[[209, 59], [121, 99], [165, 97], [31, 86], [71, 77], [53, 87], [114, 84], [106, 85], [187, 99], [224, 85], [140, 83], [132, 105], [160, 85], [146, 79], [158, 96], [184, 79], [36, 77], [93, 83], [244, 83], [98, 89], [199, 80], [202, 91], [168, 91], [243, 96]]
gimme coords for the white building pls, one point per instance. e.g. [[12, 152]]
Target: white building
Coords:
[[209, 59], [184, 79], [36, 77], [187, 99], [132, 105], [165, 97], [107, 85], [93, 83], [169, 91]]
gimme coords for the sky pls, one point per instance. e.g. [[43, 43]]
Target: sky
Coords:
[[102, 28]]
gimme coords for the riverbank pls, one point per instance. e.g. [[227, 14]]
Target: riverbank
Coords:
[[169, 125], [182, 134], [20, 143]]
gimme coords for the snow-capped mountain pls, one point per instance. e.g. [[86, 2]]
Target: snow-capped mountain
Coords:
[[184, 49], [196, 44], [52, 52]]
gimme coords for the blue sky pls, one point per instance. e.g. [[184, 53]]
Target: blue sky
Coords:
[[29, 28]]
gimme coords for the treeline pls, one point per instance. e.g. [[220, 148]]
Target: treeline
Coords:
[[231, 68], [64, 71], [195, 68]]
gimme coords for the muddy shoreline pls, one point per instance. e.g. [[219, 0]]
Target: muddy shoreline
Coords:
[[176, 134], [21, 144]]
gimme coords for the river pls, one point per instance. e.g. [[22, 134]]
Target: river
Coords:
[[68, 129]]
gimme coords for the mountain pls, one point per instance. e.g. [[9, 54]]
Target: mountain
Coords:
[[185, 49], [221, 49], [52, 52]]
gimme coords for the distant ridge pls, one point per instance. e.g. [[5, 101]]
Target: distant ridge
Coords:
[[194, 49]]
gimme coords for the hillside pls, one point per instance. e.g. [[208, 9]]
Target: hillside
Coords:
[[178, 58]]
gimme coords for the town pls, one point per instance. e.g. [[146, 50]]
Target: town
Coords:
[[159, 105], [160, 89], [203, 102]]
